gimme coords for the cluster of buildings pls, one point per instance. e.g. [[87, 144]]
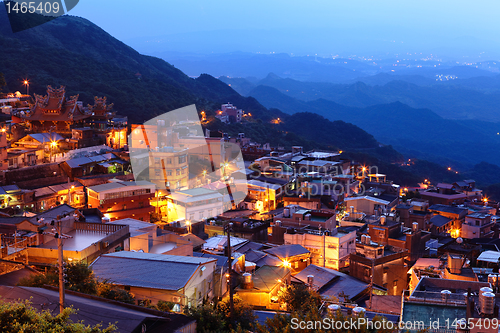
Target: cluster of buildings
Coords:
[[175, 229]]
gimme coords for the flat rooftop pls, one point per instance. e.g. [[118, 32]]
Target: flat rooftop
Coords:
[[79, 241]]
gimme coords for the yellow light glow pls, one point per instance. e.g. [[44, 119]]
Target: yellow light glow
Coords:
[[287, 264], [25, 82], [449, 169], [53, 144]]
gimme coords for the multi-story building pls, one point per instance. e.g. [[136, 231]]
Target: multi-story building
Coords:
[[328, 249], [229, 114], [122, 199], [196, 204], [477, 225], [385, 266]]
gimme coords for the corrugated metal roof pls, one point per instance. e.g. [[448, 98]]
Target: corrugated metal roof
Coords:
[[77, 162], [287, 251], [264, 185], [368, 198], [343, 283], [439, 220], [46, 137], [321, 276], [106, 187], [266, 277], [489, 256], [147, 270]]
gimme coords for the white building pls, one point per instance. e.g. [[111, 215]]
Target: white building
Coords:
[[195, 204], [330, 251]]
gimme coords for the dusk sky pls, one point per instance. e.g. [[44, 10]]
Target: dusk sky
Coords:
[[415, 20]]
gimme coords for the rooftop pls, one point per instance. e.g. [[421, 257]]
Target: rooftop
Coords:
[[448, 209], [147, 270], [79, 240], [331, 282], [287, 251]]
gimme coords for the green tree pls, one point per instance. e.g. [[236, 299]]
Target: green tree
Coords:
[[243, 312], [79, 278], [216, 318], [23, 317], [164, 306], [299, 298], [208, 319], [110, 291]]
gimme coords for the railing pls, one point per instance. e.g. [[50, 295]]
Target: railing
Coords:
[[435, 298], [12, 248], [98, 227]]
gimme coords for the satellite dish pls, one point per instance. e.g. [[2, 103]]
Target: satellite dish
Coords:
[[460, 240]]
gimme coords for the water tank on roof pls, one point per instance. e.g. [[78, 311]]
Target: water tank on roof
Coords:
[[445, 295], [310, 280], [492, 280], [414, 226], [487, 304], [363, 239], [286, 212], [358, 311], [247, 281], [368, 239], [333, 308], [485, 290]]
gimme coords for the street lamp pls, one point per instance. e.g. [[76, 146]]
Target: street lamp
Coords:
[[27, 84], [53, 145]]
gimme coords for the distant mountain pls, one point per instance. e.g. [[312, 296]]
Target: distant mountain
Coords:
[[74, 52], [455, 98], [415, 132]]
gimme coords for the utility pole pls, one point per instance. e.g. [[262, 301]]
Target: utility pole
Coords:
[[60, 263], [229, 271], [371, 283]]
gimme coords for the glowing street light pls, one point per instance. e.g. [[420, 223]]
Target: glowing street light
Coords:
[[27, 84], [287, 264]]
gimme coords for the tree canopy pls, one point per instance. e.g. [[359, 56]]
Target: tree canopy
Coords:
[[23, 317]]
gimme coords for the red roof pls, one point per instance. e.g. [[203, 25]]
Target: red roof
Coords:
[[55, 107]]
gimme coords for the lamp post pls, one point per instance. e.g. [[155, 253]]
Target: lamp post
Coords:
[[53, 145], [27, 84]]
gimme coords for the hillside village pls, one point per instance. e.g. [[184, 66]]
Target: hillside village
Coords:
[[210, 215]]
